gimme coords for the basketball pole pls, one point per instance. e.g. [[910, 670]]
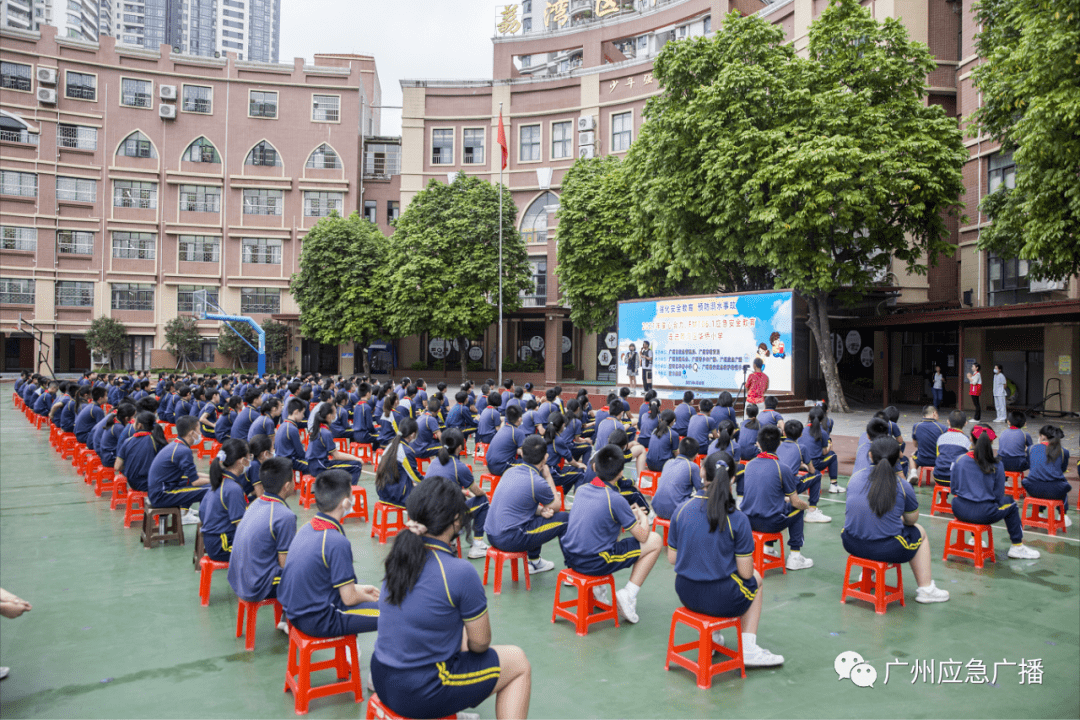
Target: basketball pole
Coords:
[[500, 261]]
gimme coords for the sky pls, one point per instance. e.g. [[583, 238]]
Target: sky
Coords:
[[415, 39]]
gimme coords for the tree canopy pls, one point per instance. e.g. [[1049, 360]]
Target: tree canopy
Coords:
[[107, 337], [182, 338], [230, 344]]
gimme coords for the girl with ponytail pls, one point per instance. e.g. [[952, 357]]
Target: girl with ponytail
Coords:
[[449, 466], [397, 473], [388, 419], [559, 450], [262, 449], [725, 409], [817, 451], [1046, 478], [663, 443], [322, 453], [648, 421], [224, 504], [115, 425], [748, 449]]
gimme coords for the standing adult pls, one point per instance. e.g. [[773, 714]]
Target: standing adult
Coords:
[[1000, 393], [632, 366], [646, 366], [974, 379], [938, 388], [756, 385]]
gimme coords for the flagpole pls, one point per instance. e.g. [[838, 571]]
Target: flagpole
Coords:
[[500, 258]]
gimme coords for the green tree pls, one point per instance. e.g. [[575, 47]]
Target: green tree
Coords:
[[182, 338], [444, 262], [231, 346], [823, 169], [1029, 81], [341, 282], [278, 338], [107, 337]]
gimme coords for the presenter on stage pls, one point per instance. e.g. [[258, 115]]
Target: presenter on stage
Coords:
[[646, 366], [632, 367], [756, 385]]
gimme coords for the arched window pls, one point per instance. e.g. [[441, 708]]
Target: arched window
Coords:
[[137, 145], [264, 154], [534, 221], [202, 151], [324, 158]]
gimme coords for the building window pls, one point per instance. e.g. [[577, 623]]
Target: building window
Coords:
[[18, 183], [262, 251], [562, 143], [200, 248], [262, 202], [185, 296], [472, 143], [137, 145], [707, 24], [74, 189], [534, 221], [530, 144], [15, 76], [132, 296], [442, 147], [393, 210], [1009, 282], [1002, 171], [74, 242], [200, 198], [260, 300], [382, 160], [539, 275], [323, 158], [526, 24], [133, 245], [18, 238], [263, 154], [202, 151], [76, 137], [622, 131], [80, 86], [325, 108], [134, 194], [14, 130], [17, 291], [526, 61], [136, 93], [71, 293], [371, 210], [262, 103], [206, 352], [321, 204], [198, 99], [526, 7]]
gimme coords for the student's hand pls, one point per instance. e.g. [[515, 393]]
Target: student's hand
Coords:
[[546, 512], [368, 593]]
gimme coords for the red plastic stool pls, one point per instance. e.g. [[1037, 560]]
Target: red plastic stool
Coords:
[[170, 431], [653, 484], [926, 475], [480, 452], [940, 501], [206, 574], [871, 584], [362, 451], [54, 435], [666, 524], [346, 662], [377, 711], [103, 479], [579, 610], [1052, 521], [704, 667], [359, 510], [306, 492], [492, 481], [119, 492], [422, 465], [1013, 486], [250, 610], [68, 445], [976, 551], [501, 556], [342, 444], [381, 523], [40, 420], [90, 468], [378, 457], [207, 448], [133, 514], [562, 497], [763, 562]]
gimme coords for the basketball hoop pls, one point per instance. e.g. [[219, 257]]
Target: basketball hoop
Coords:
[[198, 304]]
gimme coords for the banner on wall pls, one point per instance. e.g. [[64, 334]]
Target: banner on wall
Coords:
[[704, 341]]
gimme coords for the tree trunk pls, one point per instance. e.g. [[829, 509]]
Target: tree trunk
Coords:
[[366, 364], [463, 351], [818, 319]]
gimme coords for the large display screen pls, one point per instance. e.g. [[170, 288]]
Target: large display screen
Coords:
[[704, 342]]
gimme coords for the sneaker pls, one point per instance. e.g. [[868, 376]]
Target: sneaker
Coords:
[[931, 594], [798, 561], [718, 637], [627, 605], [4, 672], [479, 549], [283, 626], [738, 502], [1068, 521], [189, 518], [770, 551], [468, 716], [816, 516], [602, 595], [760, 657], [1023, 552], [540, 565], [835, 488], [913, 477]]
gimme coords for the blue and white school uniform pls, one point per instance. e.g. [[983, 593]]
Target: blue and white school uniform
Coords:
[[503, 449], [951, 445], [388, 429], [220, 512], [320, 447], [397, 492], [678, 481], [791, 454], [287, 443], [457, 471], [646, 428], [425, 445], [512, 524], [580, 450], [243, 422], [263, 425], [488, 425], [89, 415], [341, 427], [767, 481], [926, 434], [138, 453], [559, 451], [599, 516], [683, 413], [747, 443], [700, 427], [267, 528], [661, 449], [1046, 478], [223, 426], [979, 497], [885, 538], [1013, 447], [171, 476], [364, 426], [771, 417], [108, 442], [817, 455]]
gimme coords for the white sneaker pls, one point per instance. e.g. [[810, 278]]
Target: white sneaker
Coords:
[[835, 488], [4, 672], [627, 605], [758, 656], [602, 595], [479, 549], [816, 516], [189, 518], [798, 561], [718, 637], [913, 477], [1068, 521], [1023, 552], [540, 565], [283, 626], [771, 551], [467, 716], [931, 594]]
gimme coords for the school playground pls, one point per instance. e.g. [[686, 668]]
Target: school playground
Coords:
[[117, 631]]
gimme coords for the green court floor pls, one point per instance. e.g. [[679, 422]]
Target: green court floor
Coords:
[[117, 631]]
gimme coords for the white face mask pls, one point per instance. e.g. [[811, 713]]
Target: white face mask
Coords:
[[996, 371]]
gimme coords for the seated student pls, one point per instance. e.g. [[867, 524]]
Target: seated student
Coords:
[[409, 405], [428, 438], [608, 423], [223, 506], [714, 570], [725, 410], [261, 450], [587, 415], [1014, 445], [59, 403], [266, 423], [287, 441], [925, 433], [680, 478], [72, 408], [318, 588], [748, 432], [136, 454], [978, 495], [433, 655], [724, 442], [515, 399], [879, 521], [573, 431], [248, 415], [182, 406], [397, 472], [702, 427], [648, 419], [600, 514], [461, 417], [97, 430], [546, 408], [342, 425], [168, 400], [827, 423], [559, 450], [1046, 478], [770, 416], [264, 535], [817, 450], [683, 413], [490, 419], [45, 401], [770, 497], [388, 419], [524, 512], [109, 440], [892, 414], [503, 448], [447, 464], [363, 419], [482, 399], [663, 443], [226, 419], [90, 414], [173, 480], [951, 445], [208, 415], [322, 453], [791, 454], [874, 429]]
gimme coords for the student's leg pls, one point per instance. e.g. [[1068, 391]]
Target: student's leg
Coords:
[[811, 484], [353, 467], [640, 461], [650, 551], [1049, 490], [978, 407], [752, 617], [828, 462], [360, 618], [514, 688], [794, 525], [920, 564], [301, 465], [478, 508]]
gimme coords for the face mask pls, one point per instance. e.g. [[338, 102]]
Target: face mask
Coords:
[[996, 371]]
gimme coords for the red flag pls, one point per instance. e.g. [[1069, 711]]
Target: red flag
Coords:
[[502, 142]]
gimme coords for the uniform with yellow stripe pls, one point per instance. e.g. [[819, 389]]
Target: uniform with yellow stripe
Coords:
[[171, 476], [979, 497], [220, 512], [512, 524], [766, 482], [591, 545], [886, 538]]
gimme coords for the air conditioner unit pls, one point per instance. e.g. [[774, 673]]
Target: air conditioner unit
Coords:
[[168, 92], [47, 96], [586, 138], [586, 123], [46, 75], [586, 151], [166, 112], [1038, 286]]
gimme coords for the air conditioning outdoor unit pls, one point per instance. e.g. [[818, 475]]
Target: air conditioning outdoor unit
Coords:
[[586, 138], [586, 123], [168, 92], [47, 96], [46, 75], [586, 151], [166, 112]]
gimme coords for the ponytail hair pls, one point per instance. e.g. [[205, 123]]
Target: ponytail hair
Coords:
[[267, 407], [556, 421], [452, 441], [984, 453], [814, 428], [321, 413], [389, 403], [654, 409], [666, 419], [436, 504], [884, 452], [751, 418], [234, 450], [720, 503], [388, 469], [122, 414], [1053, 437]]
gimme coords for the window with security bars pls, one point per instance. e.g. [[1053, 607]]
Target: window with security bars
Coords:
[[17, 291], [472, 145], [74, 242], [622, 131], [15, 76], [530, 144], [262, 202], [137, 145], [325, 108], [382, 159], [76, 189], [200, 198], [19, 184], [134, 194], [324, 158], [263, 154], [442, 147], [133, 245], [132, 296], [136, 93], [185, 296], [321, 204], [260, 300], [18, 238], [562, 143], [202, 151], [200, 248], [72, 293], [76, 137], [80, 86], [262, 103], [198, 99], [261, 251], [538, 298]]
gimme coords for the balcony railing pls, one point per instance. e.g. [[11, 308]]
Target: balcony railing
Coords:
[[20, 136]]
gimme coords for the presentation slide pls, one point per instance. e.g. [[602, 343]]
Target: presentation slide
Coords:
[[704, 342]]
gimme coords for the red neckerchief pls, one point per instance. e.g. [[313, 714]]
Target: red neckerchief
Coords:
[[140, 434], [320, 523], [597, 482], [971, 454], [768, 456], [1013, 427], [955, 430], [273, 498]]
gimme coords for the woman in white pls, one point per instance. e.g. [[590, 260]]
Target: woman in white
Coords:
[[975, 389], [939, 386], [632, 366], [1000, 393]]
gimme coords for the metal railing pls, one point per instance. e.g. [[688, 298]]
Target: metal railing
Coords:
[[20, 136], [80, 92], [211, 206], [18, 189]]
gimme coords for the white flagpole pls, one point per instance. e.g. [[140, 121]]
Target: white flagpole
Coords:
[[500, 258]]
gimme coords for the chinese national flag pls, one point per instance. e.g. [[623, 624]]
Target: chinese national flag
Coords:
[[502, 142]]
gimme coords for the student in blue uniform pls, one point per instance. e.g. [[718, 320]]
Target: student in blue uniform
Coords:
[[322, 454], [136, 454], [72, 409], [748, 432], [168, 400], [264, 535], [817, 450], [702, 427], [725, 410], [182, 406], [573, 431], [45, 401], [880, 520], [807, 480], [248, 415], [925, 433], [363, 419], [174, 480], [548, 406], [287, 440], [433, 655], [503, 448], [680, 478], [770, 416], [461, 417], [608, 424], [558, 450], [714, 569], [770, 497], [224, 504], [397, 472], [490, 419], [600, 514], [978, 489], [342, 425], [892, 414], [1046, 477], [109, 440], [683, 413], [724, 441], [663, 443], [1014, 444], [318, 588], [388, 420], [951, 445], [226, 419], [648, 419], [266, 423], [428, 438], [90, 414], [260, 449], [448, 465]]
